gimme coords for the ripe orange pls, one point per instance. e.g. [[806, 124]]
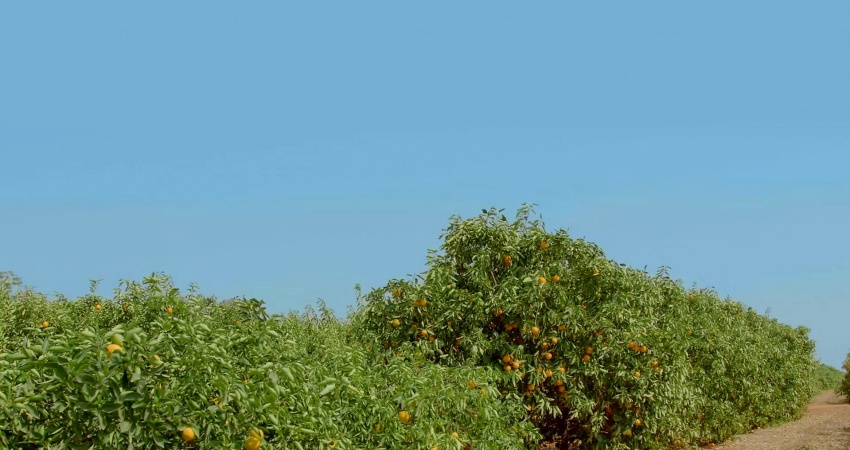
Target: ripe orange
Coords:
[[396, 293], [97, 307], [561, 389], [423, 332], [471, 384], [507, 367], [556, 278], [252, 442], [169, 310], [506, 358], [545, 345], [541, 280], [562, 327], [506, 261], [423, 302], [111, 348], [396, 323], [638, 422], [548, 356], [188, 434], [535, 331], [637, 373], [562, 369], [588, 351], [544, 245], [627, 433], [455, 435], [585, 358], [643, 349], [595, 272], [515, 364], [554, 341], [45, 324], [404, 416]]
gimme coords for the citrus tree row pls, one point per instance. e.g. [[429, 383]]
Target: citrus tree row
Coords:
[[151, 368], [596, 352]]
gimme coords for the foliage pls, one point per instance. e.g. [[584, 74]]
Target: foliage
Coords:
[[827, 378], [136, 370], [513, 335], [844, 388], [617, 357]]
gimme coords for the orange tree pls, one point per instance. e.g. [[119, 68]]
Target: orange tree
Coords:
[[186, 371], [595, 351], [844, 387]]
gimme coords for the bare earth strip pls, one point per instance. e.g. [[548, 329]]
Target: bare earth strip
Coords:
[[825, 426]]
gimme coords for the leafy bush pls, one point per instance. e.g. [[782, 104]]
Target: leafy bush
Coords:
[[844, 388], [151, 368], [611, 355], [827, 378]]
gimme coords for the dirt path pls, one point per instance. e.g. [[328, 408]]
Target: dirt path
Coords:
[[824, 426]]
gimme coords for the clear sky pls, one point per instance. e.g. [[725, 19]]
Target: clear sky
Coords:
[[287, 152]]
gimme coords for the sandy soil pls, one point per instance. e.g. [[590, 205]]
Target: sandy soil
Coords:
[[824, 426]]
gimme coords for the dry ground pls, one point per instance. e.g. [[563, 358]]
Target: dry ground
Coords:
[[824, 426]]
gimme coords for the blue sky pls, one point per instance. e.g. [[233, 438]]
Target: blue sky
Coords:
[[287, 152]]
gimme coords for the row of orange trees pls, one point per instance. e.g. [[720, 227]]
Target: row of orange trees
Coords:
[[513, 335], [597, 352], [153, 368]]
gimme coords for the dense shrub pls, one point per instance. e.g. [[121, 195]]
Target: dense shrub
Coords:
[[596, 351]]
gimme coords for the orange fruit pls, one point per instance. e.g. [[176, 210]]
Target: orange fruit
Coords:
[[97, 307], [423, 302], [541, 280], [548, 373], [585, 358], [643, 349], [595, 272], [111, 348], [506, 358], [561, 389], [637, 373], [562, 327], [396, 323], [515, 364], [638, 422], [544, 245], [455, 435], [499, 312], [252, 442], [396, 293], [588, 351], [548, 356], [169, 310], [404, 416], [45, 324], [627, 433], [562, 369], [545, 345], [188, 434], [597, 333], [554, 341], [535, 331], [556, 278], [507, 367], [506, 261], [471, 384], [423, 332]]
